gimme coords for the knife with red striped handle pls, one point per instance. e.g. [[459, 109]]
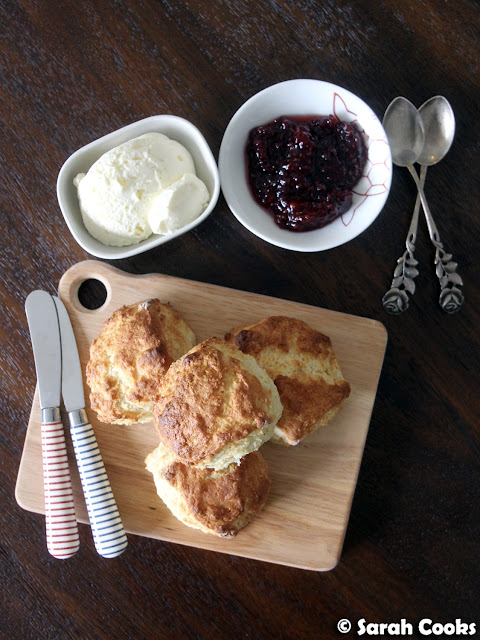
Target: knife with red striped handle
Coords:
[[61, 524], [107, 527]]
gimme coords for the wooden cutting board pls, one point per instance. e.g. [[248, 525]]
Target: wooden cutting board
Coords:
[[304, 522]]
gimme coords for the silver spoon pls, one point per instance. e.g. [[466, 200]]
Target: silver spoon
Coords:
[[406, 135], [404, 125], [439, 124]]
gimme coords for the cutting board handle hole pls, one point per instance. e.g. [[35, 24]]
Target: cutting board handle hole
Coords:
[[92, 294]]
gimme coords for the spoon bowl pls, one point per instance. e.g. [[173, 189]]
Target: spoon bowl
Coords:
[[405, 132], [439, 125]]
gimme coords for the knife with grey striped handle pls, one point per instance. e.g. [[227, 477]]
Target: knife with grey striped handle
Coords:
[[107, 527]]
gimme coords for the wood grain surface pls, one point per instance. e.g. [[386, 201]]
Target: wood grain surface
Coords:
[[304, 522], [72, 72]]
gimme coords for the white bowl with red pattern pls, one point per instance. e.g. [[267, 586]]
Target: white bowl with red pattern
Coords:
[[299, 98]]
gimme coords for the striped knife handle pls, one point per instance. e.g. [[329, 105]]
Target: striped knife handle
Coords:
[[107, 528], [61, 523]]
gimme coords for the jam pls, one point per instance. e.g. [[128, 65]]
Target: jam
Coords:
[[303, 170]]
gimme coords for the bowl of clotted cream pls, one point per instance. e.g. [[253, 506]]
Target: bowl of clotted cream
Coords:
[[138, 187]]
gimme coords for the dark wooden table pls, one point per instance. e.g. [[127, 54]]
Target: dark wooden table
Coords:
[[71, 72]]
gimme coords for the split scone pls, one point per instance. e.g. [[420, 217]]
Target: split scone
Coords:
[[219, 502], [136, 346], [215, 405], [303, 365]]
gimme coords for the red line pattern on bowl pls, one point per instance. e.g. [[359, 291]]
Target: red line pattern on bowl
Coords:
[[369, 183]]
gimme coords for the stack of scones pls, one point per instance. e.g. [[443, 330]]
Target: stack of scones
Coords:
[[213, 404]]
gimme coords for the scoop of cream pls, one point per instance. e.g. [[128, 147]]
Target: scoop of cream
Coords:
[[119, 190], [178, 205]]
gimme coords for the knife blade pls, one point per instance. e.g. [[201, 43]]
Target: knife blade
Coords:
[[61, 524], [107, 527]]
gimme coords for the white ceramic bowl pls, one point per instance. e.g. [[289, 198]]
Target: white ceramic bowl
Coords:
[[79, 162], [305, 98]]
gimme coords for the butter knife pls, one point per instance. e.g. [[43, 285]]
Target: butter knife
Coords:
[[107, 527], [61, 523]]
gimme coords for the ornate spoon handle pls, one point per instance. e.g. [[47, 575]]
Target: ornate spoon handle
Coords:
[[451, 296], [396, 299]]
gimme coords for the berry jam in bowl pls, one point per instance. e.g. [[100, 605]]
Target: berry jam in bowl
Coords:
[[305, 165]]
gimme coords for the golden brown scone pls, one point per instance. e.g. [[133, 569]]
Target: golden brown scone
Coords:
[[136, 346], [215, 405], [303, 365], [218, 502]]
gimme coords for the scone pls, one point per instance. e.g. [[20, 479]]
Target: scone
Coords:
[[133, 351], [303, 365], [215, 405], [218, 502]]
